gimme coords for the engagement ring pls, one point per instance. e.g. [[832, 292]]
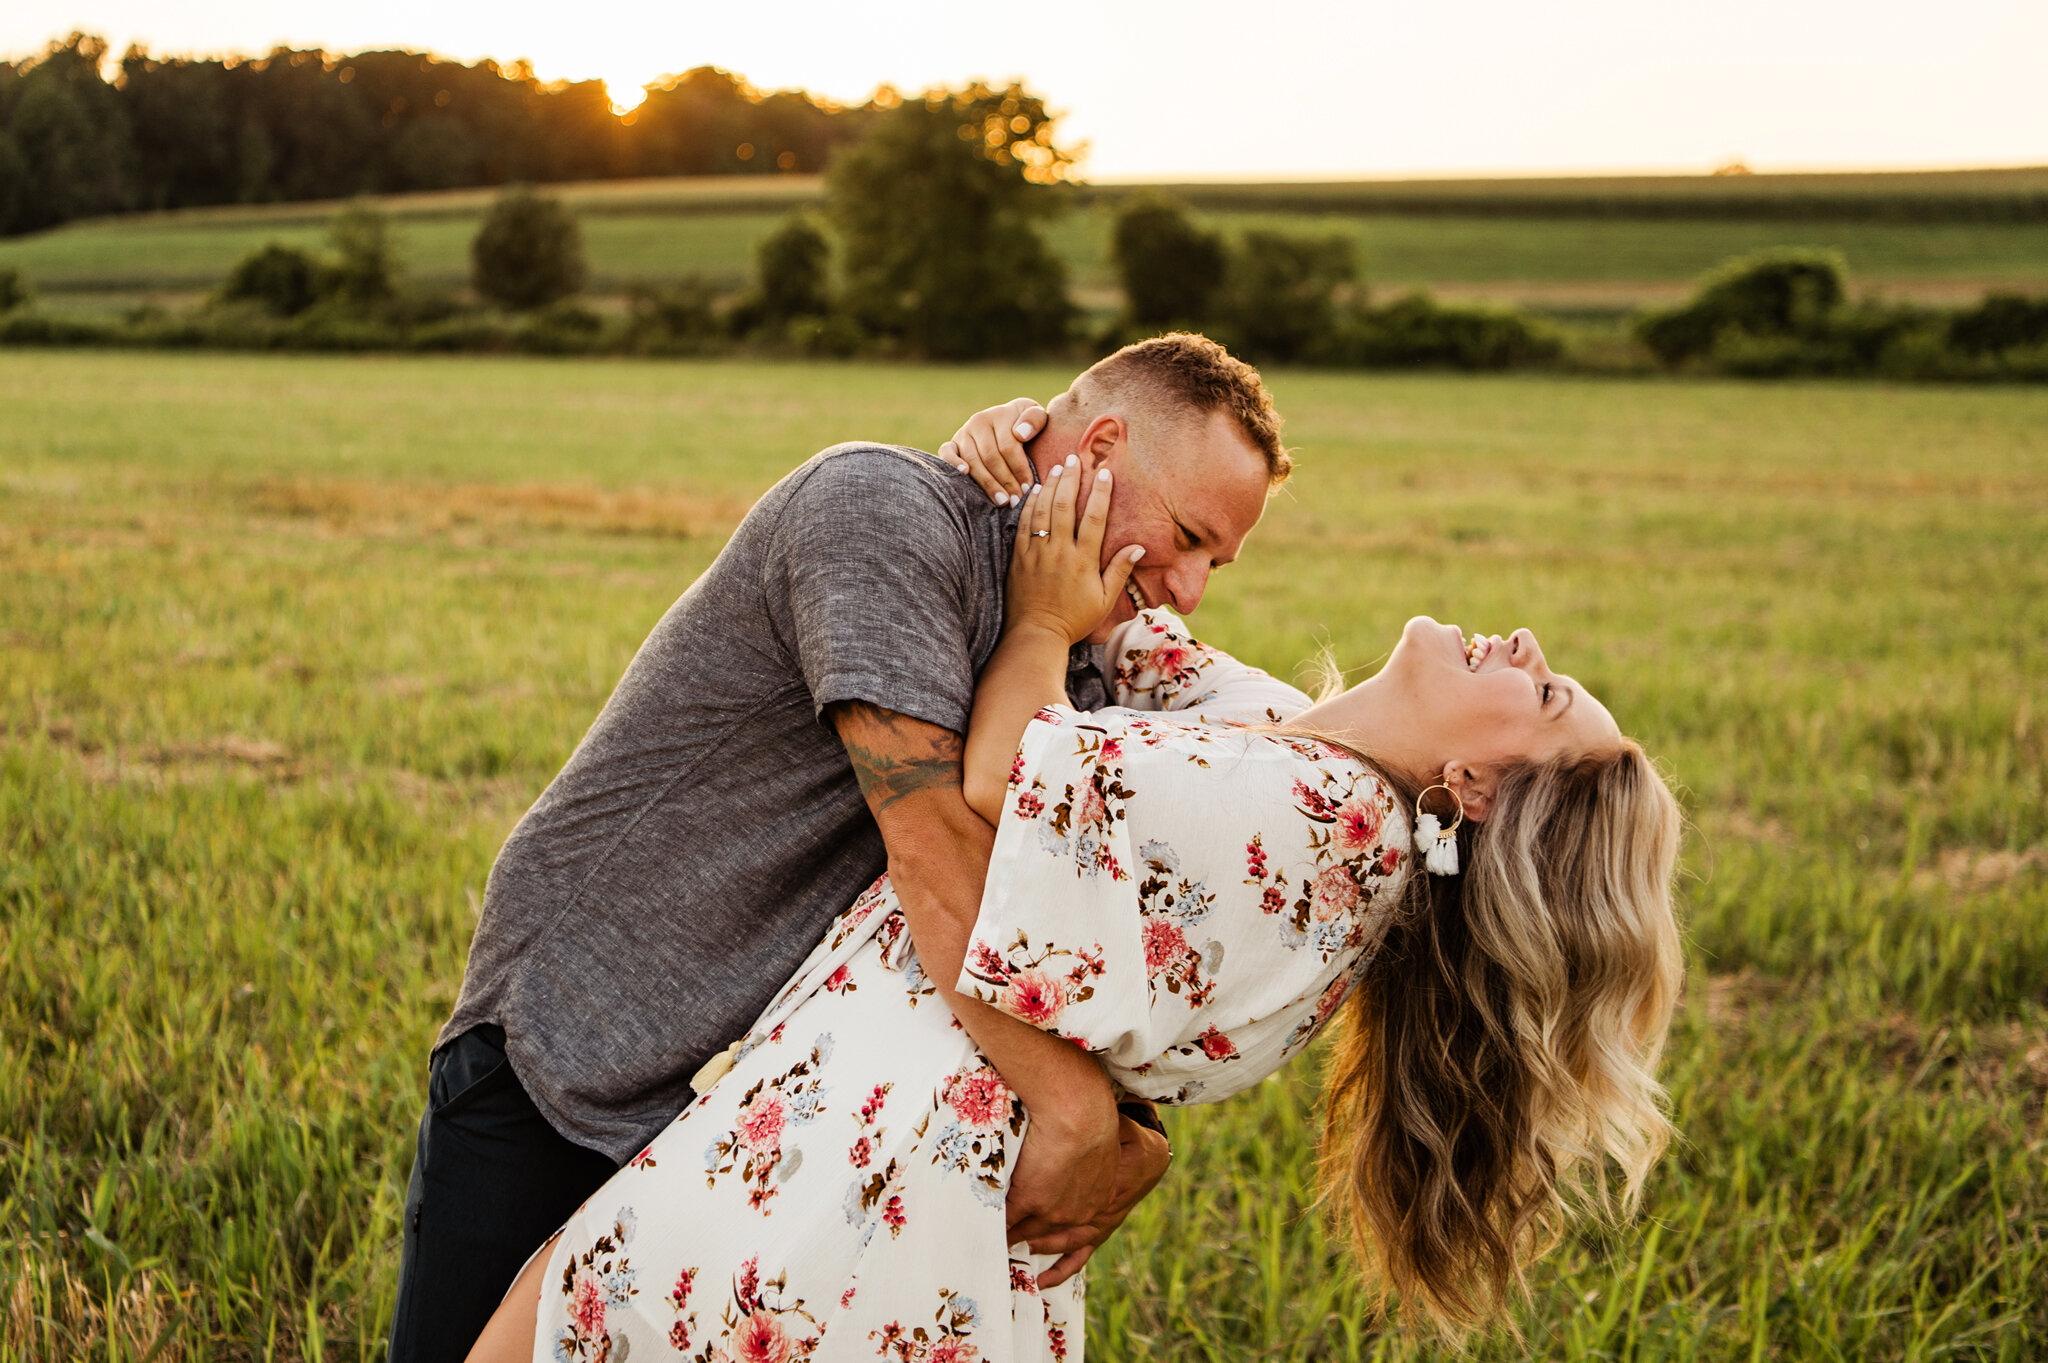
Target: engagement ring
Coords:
[[1040, 534]]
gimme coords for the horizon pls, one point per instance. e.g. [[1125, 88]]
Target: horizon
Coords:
[[1590, 88]]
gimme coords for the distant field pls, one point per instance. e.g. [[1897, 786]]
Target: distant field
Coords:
[[288, 642], [662, 229]]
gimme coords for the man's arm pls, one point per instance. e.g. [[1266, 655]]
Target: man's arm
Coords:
[[1066, 1194]]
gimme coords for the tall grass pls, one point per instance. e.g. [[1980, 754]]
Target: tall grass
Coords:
[[288, 644]]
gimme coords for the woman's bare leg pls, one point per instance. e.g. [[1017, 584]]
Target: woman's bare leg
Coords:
[[509, 1336]]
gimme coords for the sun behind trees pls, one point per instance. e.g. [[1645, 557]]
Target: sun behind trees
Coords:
[[176, 132]]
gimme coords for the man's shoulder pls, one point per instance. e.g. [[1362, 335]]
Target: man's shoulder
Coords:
[[864, 464]]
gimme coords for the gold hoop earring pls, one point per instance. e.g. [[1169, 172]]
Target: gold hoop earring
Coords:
[[1438, 845]]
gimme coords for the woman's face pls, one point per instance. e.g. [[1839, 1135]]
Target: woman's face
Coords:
[[1492, 702]]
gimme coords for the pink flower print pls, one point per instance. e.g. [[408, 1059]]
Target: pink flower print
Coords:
[[761, 1122], [1029, 805], [892, 1215], [586, 1306], [846, 1298], [1034, 996], [1017, 767], [1164, 944], [1333, 893], [1273, 901], [839, 981], [1216, 1045], [953, 1349], [761, 1339], [1022, 1279], [980, 1098], [986, 962], [679, 1336], [1314, 801], [863, 1150], [1057, 1339], [872, 1108], [1092, 809], [679, 1295], [1332, 996], [1255, 860], [747, 1292], [1389, 859], [1112, 750], [1358, 825], [1049, 716]]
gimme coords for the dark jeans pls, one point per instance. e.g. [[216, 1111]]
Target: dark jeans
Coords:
[[491, 1181]]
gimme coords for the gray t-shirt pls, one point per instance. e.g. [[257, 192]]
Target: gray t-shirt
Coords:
[[709, 827]]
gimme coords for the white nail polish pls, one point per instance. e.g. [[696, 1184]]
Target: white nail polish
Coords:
[[1102, 476], [1023, 431]]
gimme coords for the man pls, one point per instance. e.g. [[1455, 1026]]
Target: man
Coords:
[[792, 726]]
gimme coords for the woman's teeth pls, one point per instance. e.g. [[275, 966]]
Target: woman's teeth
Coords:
[[1476, 649]]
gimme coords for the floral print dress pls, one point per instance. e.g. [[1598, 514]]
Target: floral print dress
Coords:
[[1184, 896]]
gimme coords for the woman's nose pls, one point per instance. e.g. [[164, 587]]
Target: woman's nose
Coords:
[[1523, 651]]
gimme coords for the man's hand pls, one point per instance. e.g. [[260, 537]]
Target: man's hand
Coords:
[[1141, 1162]]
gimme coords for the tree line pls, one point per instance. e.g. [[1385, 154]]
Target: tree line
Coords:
[[180, 132]]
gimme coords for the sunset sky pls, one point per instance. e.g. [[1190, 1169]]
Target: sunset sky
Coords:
[[1280, 88]]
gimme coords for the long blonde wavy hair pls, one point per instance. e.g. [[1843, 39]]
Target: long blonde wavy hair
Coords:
[[1499, 1056]]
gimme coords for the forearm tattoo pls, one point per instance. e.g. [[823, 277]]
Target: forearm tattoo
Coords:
[[895, 756]]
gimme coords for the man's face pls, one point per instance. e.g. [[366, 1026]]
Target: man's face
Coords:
[[1190, 503]]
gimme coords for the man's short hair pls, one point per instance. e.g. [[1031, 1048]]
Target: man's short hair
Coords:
[[1190, 372]]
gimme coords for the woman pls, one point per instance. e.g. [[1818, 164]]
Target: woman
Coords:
[[1189, 886]]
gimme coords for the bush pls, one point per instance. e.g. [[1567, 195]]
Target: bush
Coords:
[[936, 209], [528, 253], [679, 318], [562, 328], [1170, 268], [1414, 332], [366, 270], [1775, 294], [2003, 321], [14, 290], [793, 265], [283, 279], [1280, 297]]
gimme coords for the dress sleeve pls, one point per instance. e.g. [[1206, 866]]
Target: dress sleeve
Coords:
[[1187, 902], [1156, 664]]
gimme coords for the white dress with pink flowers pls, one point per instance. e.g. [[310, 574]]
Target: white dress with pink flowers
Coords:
[[1185, 897]]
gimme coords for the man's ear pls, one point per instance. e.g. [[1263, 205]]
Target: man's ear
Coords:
[[1474, 786], [1101, 441]]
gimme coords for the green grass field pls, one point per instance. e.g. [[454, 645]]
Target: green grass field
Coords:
[[287, 643], [663, 229]]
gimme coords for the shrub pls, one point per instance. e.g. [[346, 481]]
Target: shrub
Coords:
[[366, 268], [528, 253], [1281, 293], [2003, 321], [937, 209], [14, 290], [1415, 332], [1170, 268], [562, 328], [793, 265], [283, 279], [1773, 294], [678, 318]]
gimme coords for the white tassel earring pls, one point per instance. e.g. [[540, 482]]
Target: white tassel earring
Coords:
[[1438, 845]]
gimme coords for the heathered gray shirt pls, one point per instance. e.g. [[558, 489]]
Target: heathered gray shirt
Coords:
[[709, 827]]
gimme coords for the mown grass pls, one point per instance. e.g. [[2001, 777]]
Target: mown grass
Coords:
[[652, 238], [290, 642]]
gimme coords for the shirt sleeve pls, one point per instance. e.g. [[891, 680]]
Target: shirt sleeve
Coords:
[[1157, 664], [875, 566], [1188, 903]]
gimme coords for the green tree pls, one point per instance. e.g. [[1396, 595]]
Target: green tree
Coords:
[[1170, 268], [528, 253], [937, 210], [1281, 296], [68, 136], [14, 291], [366, 268], [794, 264], [1773, 294]]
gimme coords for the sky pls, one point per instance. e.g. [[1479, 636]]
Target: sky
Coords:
[[1187, 89]]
